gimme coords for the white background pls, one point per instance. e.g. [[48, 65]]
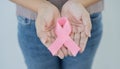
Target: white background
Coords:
[[108, 54]]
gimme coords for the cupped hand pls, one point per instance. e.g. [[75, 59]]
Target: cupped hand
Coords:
[[45, 24], [80, 21]]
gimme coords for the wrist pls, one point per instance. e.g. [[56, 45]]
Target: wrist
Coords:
[[85, 3], [82, 2], [43, 5]]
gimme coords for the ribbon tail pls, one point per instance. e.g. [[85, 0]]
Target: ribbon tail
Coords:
[[72, 46], [55, 46]]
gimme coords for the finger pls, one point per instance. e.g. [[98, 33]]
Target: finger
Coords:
[[81, 28], [48, 42], [88, 31], [69, 53], [53, 33], [87, 23], [51, 36], [76, 35], [60, 54], [43, 40], [83, 41], [72, 36], [74, 29], [64, 50], [77, 38]]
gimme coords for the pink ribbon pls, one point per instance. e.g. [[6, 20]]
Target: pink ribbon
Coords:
[[63, 30]]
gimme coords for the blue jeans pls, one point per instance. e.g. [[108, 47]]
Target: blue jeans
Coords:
[[37, 55]]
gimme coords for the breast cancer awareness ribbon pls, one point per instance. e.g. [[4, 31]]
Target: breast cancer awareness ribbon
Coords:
[[63, 30]]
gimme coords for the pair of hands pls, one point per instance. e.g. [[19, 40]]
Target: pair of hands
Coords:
[[78, 17]]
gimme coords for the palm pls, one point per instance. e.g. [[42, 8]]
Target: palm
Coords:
[[80, 21]]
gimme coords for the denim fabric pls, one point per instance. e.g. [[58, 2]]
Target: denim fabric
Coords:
[[37, 55]]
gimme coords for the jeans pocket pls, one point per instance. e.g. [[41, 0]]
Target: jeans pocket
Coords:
[[26, 26], [23, 20], [96, 17]]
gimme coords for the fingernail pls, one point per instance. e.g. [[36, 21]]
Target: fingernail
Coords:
[[81, 51], [61, 57], [88, 34]]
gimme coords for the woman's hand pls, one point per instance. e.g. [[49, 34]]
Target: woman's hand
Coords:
[[45, 23], [80, 21]]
